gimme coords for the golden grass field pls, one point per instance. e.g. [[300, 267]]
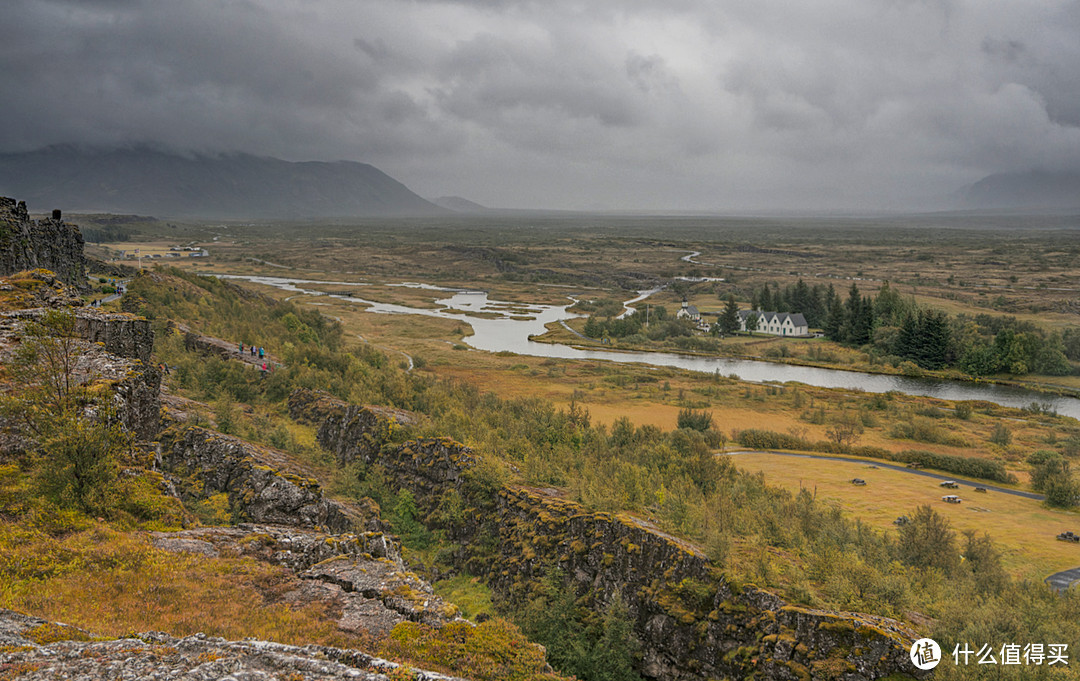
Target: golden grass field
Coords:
[[1024, 529]]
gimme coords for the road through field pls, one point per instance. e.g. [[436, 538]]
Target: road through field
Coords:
[[1059, 581], [902, 469]]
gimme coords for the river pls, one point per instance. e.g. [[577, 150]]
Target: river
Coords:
[[510, 331]]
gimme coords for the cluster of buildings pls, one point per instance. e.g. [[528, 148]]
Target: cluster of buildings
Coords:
[[771, 323], [174, 252]]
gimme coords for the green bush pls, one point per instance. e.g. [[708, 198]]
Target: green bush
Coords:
[[961, 465], [694, 419], [767, 439]]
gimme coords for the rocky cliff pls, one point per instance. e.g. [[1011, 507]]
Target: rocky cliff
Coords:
[[362, 575], [204, 463], [112, 351], [50, 244], [121, 334], [692, 622]]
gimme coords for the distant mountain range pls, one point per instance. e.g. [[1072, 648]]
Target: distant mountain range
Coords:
[[161, 183], [1025, 190]]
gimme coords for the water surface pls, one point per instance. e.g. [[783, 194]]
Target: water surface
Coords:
[[511, 332]]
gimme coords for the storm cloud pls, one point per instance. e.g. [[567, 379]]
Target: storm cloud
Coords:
[[607, 104]]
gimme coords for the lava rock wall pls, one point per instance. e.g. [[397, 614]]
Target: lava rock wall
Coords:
[[50, 244], [692, 622]]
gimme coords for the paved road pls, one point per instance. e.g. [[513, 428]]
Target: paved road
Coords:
[[579, 335], [114, 296], [1063, 580], [902, 469]]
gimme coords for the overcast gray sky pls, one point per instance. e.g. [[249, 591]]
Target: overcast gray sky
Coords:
[[594, 104]]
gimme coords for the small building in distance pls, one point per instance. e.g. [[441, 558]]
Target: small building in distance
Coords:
[[776, 323], [693, 314], [688, 311]]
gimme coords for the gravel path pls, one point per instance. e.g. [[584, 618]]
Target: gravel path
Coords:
[[1061, 581], [576, 333]]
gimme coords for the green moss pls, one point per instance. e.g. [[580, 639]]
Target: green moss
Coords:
[[51, 632]]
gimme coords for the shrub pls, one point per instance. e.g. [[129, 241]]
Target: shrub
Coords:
[[767, 439], [1001, 435], [694, 419], [961, 465]]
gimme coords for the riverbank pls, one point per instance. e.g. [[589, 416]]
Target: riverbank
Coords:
[[502, 330], [563, 334]]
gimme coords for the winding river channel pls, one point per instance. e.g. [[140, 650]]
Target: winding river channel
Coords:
[[507, 327]]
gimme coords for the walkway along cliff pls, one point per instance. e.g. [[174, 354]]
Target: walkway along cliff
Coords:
[[691, 621]]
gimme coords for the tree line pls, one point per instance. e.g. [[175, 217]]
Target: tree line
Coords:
[[895, 326]]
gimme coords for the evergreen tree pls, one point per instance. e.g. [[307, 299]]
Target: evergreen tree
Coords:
[[888, 306], [816, 308], [863, 326], [728, 322], [935, 340], [907, 341], [800, 298], [829, 297], [779, 302], [853, 311], [834, 321], [765, 300]]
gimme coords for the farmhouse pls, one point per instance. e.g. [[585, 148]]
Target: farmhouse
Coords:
[[776, 323]]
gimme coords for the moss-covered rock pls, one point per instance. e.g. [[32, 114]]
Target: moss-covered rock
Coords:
[[692, 622]]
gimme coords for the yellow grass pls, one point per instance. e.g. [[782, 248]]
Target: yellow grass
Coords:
[[114, 583], [1023, 528]]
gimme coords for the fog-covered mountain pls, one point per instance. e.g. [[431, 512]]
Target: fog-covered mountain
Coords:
[[1029, 190], [155, 182]]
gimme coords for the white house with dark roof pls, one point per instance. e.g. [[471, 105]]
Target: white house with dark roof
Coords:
[[776, 323]]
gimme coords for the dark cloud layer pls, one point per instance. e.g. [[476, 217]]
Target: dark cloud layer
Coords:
[[691, 104]]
